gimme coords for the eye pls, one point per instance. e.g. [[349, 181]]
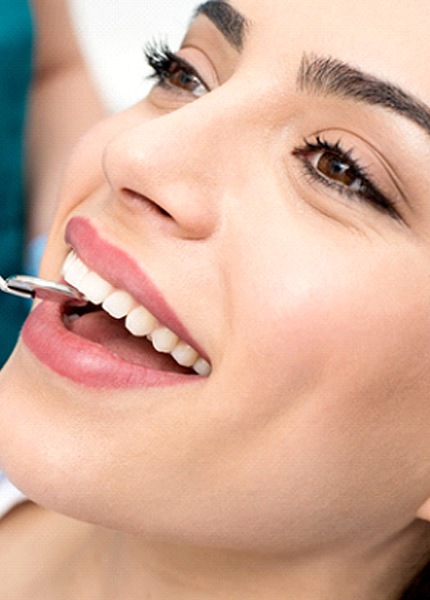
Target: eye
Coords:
[[336, 168], [174, 72]]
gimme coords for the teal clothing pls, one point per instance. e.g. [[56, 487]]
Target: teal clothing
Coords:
[[16, 41]]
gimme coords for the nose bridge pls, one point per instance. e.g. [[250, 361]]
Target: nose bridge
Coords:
[[193, 143], [188, 141], [202, 129], [180, 160]]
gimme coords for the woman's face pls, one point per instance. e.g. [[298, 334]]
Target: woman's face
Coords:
[[273, 189]]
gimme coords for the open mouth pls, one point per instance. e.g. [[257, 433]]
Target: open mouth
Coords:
[[115, 320]]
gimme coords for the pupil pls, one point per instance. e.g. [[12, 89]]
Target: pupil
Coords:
[[334, 167], [181, 79]]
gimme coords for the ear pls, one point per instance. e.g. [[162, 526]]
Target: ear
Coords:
[[424, 511]]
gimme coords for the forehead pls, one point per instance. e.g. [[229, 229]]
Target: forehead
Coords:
[[386, 38]]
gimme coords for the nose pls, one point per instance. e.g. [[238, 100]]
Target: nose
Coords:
[[174, 162]]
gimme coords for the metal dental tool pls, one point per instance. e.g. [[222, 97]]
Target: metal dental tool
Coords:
[[29, 287]]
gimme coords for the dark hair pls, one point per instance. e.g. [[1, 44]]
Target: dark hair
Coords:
[[419, 589]]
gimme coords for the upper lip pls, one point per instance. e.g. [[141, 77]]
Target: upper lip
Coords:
[[117, 267]]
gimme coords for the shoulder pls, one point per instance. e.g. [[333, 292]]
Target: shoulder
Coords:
[[56, 43]]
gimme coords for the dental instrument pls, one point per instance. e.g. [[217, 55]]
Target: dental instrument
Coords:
[[25, 286]]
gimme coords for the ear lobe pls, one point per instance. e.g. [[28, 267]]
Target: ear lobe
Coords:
[[424, 511]]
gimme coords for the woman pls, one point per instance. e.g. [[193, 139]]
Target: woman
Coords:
[[262, 216]]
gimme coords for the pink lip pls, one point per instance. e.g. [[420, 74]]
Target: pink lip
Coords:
[[123, 272], [81, 360], [85, 362]]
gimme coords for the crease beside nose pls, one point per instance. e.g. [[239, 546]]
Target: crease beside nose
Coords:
[[179, 177]]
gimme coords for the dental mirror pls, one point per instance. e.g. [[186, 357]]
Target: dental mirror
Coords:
[[25, 286]]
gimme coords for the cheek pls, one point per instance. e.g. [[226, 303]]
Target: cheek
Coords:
[[84, 172], [344, 335], [84, 176], [328, 386]]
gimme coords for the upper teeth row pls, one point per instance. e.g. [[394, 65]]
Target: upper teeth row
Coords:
[[138, 320]]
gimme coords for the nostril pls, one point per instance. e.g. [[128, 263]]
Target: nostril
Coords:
[[146, 203], [178, 206]]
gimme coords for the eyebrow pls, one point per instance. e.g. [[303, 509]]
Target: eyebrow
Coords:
[[328, 76], [226, 19]]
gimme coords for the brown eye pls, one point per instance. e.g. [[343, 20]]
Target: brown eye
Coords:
[[174, 72], [185, 80], [336, 168]]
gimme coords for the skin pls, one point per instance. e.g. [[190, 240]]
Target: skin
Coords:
[[303, 460]]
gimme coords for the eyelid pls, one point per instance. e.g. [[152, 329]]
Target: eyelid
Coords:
[[166, 66], [200, 63], [375, 196], [207, 39], [371, 159], [190, 69]]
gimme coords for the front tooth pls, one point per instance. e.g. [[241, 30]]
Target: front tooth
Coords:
[[140, 322], [118, 304], [184, 354], [75, 272], [164, 340], [70, 259], [94, 288], [202, 367]]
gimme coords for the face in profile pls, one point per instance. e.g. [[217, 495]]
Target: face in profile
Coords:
[[253, 368]]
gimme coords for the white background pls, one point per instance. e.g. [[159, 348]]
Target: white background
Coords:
[[113, 34]]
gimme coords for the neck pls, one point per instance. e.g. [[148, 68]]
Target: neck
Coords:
[[135, 570], [113, 566]]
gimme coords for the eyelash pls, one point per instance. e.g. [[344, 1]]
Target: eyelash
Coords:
[[368, 191], [163, 61]]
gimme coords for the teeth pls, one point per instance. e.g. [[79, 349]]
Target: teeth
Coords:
[[76, 270], [184, 354], [164, 340], [71, 318], [94, 288], [202, 367], [70, 259], [118, 304], [138, 320]]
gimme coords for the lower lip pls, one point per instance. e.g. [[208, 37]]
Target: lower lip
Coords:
[[85, 362]]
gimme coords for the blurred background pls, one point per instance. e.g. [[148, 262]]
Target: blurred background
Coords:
[[113, 34], [43, 116]]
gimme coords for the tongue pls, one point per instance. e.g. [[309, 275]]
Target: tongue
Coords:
[[102, 329]]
